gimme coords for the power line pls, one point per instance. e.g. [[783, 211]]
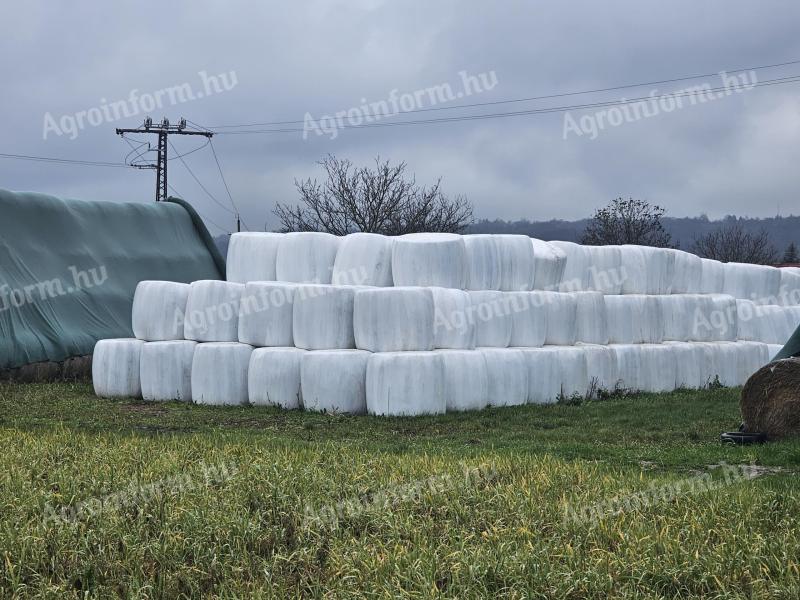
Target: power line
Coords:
[[205, 218], [225, 183], [65, 161], [209, 194]]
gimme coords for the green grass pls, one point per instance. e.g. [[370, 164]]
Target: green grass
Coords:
[[412, 524]]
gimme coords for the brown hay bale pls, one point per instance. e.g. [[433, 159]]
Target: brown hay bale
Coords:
[[76, 368], [770, 400]]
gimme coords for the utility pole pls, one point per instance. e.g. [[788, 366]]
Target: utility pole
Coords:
[[163, 130]]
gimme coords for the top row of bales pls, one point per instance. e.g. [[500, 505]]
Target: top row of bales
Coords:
[[498, 262]]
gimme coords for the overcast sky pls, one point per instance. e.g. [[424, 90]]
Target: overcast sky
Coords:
[[298, 61]]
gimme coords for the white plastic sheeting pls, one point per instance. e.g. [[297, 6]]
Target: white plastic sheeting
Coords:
[[507, 376], [265, 314], [576, 270], [322, 318], [273, 377], [334, 381], [166, 370], [528, 319], [604, 269], [629, 365], [773, 349], [454, 319], [466, 384], [544, 375], [712, 279], [659, 368], [212, 311], [252, 256], [691, 366], [723, 323], [647, 270], [405, 384], [573, 369], [724, 363], [682, 313], [364, 259], [306, 257], [768, 324], [758, 283], [158, 310], [516, 262], [601, 367], [789, 294], [561, 314], [688, 273], [549, 265], [751, 357], [394, 319], [115, 368], [429, 259], [590, 318], [219, 373], [491, 313], [634, 319], [483, 262]]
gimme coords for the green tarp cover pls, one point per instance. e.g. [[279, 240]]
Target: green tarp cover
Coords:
[[68, 269]]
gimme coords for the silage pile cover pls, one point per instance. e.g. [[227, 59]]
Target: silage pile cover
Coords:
[[69, 269]]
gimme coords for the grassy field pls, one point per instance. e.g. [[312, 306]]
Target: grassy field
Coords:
[[622, 498]]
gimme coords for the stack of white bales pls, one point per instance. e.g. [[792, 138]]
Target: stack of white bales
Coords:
[[428, 323]]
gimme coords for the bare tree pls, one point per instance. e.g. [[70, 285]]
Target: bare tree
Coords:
[[627, 222], [731, 243], [790, 255], [375, 200]]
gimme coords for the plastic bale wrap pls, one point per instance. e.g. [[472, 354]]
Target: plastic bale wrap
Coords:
[[483, 262], [306, 257], [115, 368], [364, 259], [661, 270], [688, 273], [659, 368], [219, 373], [549, 265], [454, 321], [528, 319], [751, 356], [507, 374], [629, 365], [429, 259], [634, 319], [724, 363], [394, 319], [590, 318], [466, 384], [678, 311], [406, 384], [789, 294], [758, 283], [560, 313], [750, 326], [212, 311], [573, 370], [273, 377], [158, 310], [721, 325], [252, 256], [647, 270], [491, 313], [544, 375], [601, 366], [633, 270], [334, 381], [322, 318], [516, 262], [772, 350], [768, 324], [576, 270], [605, 268], [712, 278], [690, 368], [265, 314], [166, 370]]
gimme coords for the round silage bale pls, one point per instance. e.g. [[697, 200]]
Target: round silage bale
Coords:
[[690, 371], [573, 370], [159, 308], [634, 319], [212, 311], [590, 318], [629, 365], [394, 319], [660, 270], [429, 259], [724, 321], [544, 375], [483, 262], [758, 283], [751, 356], [364, 259], [688, 273], [334, 381], [405, 384], [115, 368], [490, 311], [273, 377], [465, 380], [605, 268], [576, 270], [789, 294], [516, 262], [549, 265], [678, 311], [166, 370], [659, 369], [724, 363], [507, 376], [322, 318], [633, 269], [252, 256], [306, 257], [528, 319], [712, 276], [772, 350], [601, 367], [219, 373], [265, 314], [561, 314], [454, 322]]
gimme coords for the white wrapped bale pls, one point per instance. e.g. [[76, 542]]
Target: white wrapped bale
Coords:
[[647, 270], [115, 368], [573, 370], [454, 321], [561, 314], [528, 319], [549, 265], [712, 278], [634, 319], [394, 319], [166, 370], [406, 384], [364, 259], [768, 324], [334, 381], [590, 318], [273, 377], [429, 259], [322, 318], [724, 363], [659, 368], [751, 356], [219, 373], [634, 269], [749, 325], [758, 283], [688, 273], [544, 375], [772, 350], [265, 314], [212, 311], [516, 262], [466, 384], [605, 267], [306, 257], [680, 312], [576, 270], [483, 262], [158, 310], [629, 365], [601, 366], [492, 316], [789, 294], [691, 370], [507, 376], [252, 256], [717, 323]]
